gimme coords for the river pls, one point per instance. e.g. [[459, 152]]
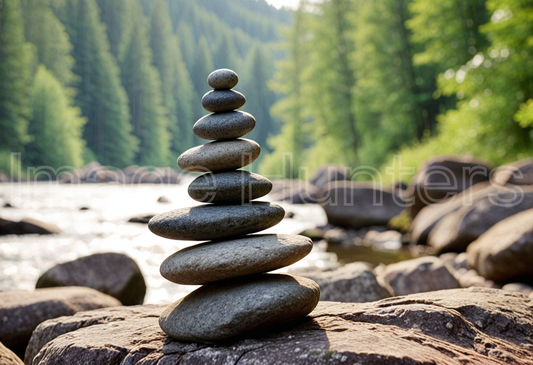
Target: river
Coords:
[[104, 227]]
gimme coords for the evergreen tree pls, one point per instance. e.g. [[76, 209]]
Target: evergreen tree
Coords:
[[329, 87], [15, 60], [226, 53], [258, 72], [56, 126], [203, 66], [175, 81], [116, 16], [48, 34], [143, 86], [100, 96], [288, 147]]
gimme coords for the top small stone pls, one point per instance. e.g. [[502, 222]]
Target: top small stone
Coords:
[[223, 79]]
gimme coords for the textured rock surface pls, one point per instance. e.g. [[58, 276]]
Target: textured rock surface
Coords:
[[418, 275], [7, 357], [505, 251], [111, 273], [229, 308], [458, 229], [218, 260], [462, 326], [223, 79], [441, 177], [212, 222], [516, 173], [22, 311], [223, 155], [222, 100], [353, 282], [27, 226], [358, 204], [229, 187], [224, 125]]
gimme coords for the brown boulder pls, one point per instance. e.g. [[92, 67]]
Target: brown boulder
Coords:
[[22, 311], [111, 273], [356, 204], [468, 326], [505, 251], [457, 230], [441, 177], [7, 357], [329, 173], [429, 216], [516, 173]]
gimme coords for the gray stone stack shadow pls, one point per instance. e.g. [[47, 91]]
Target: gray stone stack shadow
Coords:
[[237, 294]]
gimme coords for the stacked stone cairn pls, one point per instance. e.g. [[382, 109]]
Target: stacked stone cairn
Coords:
[[237, 294]]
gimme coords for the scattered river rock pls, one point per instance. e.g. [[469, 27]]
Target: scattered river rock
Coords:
[[419, 275], [7, 357], [471, 326], [354, 282], [111, 273], [27, 226]]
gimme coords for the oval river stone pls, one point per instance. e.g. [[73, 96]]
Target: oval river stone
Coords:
[[229, 187], [228, 125], [228, 308], [222, 100], [255, 254], [223, 79], [212, 222], [220, 155]]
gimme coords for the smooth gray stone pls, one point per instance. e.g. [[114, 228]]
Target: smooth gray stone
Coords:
[[220, 155], [222, 100], [212, 222], [223, 79], [255, 254], [228, 125], [226, 309], [229, 187]]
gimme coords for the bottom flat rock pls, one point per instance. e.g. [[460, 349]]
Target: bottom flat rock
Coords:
[[459, 326]]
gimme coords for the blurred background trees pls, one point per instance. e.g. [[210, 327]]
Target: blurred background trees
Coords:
[[339, 81]]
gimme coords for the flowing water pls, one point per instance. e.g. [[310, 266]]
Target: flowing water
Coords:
[[104, 227]]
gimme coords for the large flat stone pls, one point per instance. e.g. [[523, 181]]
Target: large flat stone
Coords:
[[228, 125], [213, 222], [219, 260], [220, 155], [462, 326], [229, 308], [22, 311], [230, 187]]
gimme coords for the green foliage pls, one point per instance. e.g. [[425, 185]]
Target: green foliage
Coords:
[[100, 95], [447, 31], [15, 63], [55, 125], [115, 14], [48, 34], [494, 89], [143, 86]]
